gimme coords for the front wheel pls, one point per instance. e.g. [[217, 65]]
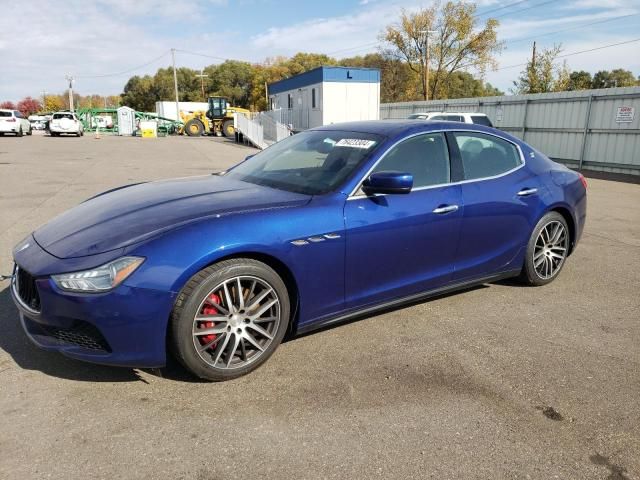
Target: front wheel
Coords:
[[229, 319], [227, 128], [547, 250], [194, 128], [19, 134]]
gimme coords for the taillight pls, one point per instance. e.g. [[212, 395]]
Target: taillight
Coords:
[[583, 180]]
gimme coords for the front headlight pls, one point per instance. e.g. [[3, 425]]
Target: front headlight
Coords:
[[99, 279]]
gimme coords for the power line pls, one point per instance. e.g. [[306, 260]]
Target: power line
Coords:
[[354, 48], [517, 40], [535, 37], [124, 71], [201, 54], [578, 53], [500, 8], [525, 9]]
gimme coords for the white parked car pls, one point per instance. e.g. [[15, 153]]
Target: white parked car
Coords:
[[464, 117], [12, 121], [65, 122]]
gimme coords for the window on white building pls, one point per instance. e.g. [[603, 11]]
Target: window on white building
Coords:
[[313, 98]]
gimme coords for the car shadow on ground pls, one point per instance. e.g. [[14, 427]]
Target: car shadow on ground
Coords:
[[27, 356], [15, 343]]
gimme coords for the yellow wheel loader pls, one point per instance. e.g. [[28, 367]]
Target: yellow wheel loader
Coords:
[[218, 119]]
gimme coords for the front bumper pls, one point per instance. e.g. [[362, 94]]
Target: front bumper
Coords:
[[124, 327]]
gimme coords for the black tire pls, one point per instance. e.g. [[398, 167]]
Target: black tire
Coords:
[[227, 128], [190, 301], [531, 275], [194, 128], [30, 132], [19, 134]]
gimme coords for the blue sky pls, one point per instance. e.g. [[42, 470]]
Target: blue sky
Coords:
[[90, 39]]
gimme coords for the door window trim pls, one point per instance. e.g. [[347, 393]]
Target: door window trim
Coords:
[[357, 193]]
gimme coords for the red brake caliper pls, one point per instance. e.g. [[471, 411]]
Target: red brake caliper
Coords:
[[209, 309]]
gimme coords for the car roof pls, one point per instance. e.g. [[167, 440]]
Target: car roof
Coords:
[[393, 128]]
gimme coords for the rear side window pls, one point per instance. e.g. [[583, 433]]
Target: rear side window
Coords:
[[481, 120], [485, 155], [448, 118], [424, 156], [5, 114]]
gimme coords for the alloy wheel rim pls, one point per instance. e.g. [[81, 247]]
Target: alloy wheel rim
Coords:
[[236, 322], [550, 250]]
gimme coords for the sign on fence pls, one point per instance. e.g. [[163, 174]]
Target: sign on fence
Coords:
[[625, 114]]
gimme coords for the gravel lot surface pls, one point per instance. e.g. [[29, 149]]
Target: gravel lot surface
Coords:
[[496, 382]]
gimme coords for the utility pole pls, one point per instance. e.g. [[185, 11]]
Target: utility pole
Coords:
[[532, 72], [69, 78], [44, 99], [533, 57], [426, 62], [175, 82], [202, 76]]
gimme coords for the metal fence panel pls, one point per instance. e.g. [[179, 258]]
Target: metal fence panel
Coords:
[[579, 128]]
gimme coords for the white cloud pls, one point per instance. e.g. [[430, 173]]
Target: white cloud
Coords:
[[104, 36]]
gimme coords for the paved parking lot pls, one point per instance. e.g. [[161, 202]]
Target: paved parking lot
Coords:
[[496, 382]]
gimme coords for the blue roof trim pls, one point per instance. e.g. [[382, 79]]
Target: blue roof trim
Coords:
[[326, 74]]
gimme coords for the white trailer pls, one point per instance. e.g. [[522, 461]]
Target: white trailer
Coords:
[[326, 95], [168, 109]]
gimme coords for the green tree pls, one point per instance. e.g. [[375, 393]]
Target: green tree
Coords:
[[457, 45], [579, 80], [233, 80], [139, 93], [614, 78], [542, 74]]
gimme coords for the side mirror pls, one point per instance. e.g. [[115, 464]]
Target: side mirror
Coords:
[[388, 182]]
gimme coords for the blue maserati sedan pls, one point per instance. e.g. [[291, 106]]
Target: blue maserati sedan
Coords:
[[329, 224]]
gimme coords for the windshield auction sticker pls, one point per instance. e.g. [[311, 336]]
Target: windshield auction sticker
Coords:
[[355, 143]]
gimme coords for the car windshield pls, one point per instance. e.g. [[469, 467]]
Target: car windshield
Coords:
[[312, 162], [58, 116], [414, 116]]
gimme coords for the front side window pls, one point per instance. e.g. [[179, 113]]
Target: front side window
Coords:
[[424, 156], [17, 114], [486, 155], [311, 163]]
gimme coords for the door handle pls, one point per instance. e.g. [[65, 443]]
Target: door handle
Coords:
[[445, 209], [525, 192]]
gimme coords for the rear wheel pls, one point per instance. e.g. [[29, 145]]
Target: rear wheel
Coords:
[[30, 132], [227, 128], [194, 128], [547, 250], [229, 319]]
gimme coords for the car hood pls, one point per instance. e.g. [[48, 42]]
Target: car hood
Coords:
[[121, 217]]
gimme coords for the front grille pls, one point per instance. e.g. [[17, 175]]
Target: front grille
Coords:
[[81, 334], [27, 289]]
